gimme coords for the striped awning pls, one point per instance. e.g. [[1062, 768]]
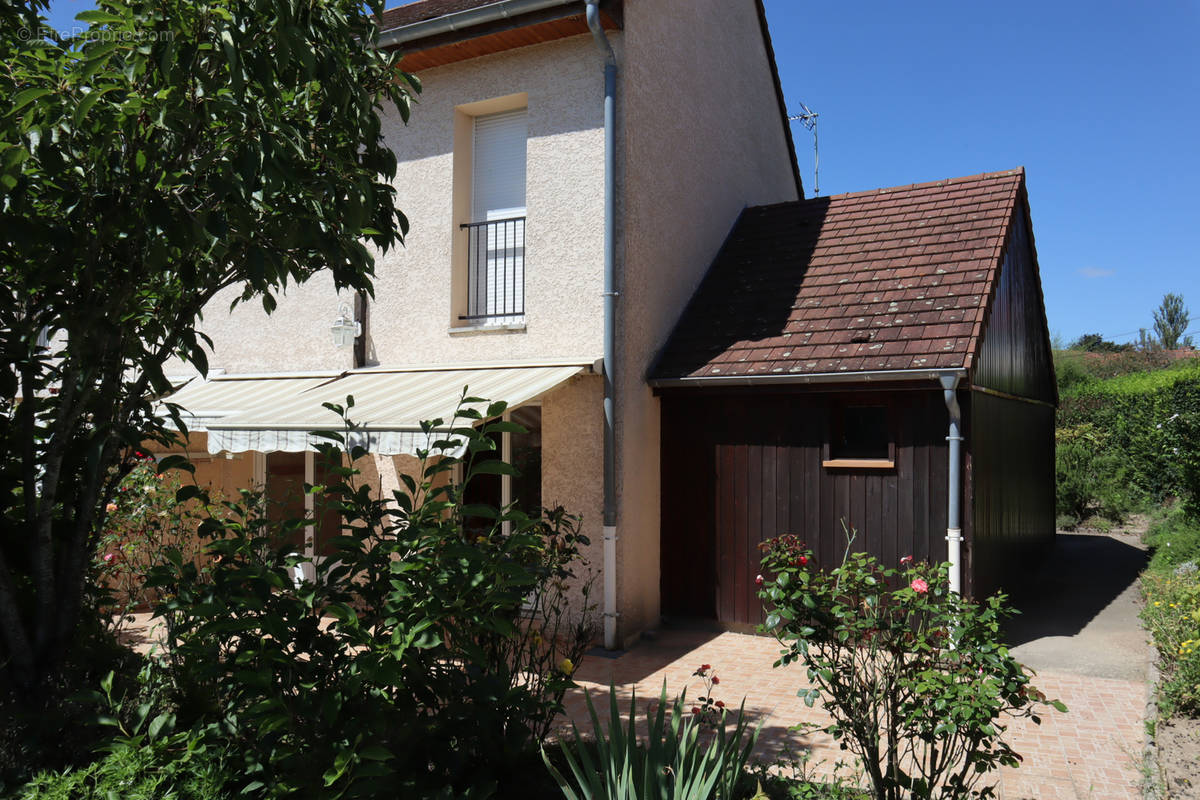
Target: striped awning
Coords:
[[271, 414]]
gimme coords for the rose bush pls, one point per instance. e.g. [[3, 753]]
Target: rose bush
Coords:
[[913, 675]]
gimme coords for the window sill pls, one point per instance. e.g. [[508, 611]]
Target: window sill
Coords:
[[471, 330], [859, 463]]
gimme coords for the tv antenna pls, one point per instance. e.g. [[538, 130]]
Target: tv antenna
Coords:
[[809, 120]]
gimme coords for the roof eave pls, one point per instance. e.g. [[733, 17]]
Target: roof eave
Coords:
[[805, 378]]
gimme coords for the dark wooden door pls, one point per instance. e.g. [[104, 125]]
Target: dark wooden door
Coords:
[[738, 470]]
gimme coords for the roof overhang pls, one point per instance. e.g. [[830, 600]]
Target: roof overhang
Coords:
[[491, 28], [803, 379], [390, 407]]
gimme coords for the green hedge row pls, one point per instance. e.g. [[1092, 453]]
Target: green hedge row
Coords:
[[1133, 438]]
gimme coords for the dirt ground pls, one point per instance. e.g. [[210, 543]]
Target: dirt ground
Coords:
[[1177, 750]]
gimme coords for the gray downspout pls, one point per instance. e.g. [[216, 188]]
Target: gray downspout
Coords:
[[610, 326], [949, 383]]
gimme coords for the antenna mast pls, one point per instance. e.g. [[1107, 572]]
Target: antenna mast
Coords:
[[809, 120]]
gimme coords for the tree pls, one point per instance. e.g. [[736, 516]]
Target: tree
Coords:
[[1170, 322], [175, 149], [1096, 343]]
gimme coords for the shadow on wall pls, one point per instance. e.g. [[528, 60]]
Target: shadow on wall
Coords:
[[748, 294], [1079, 578]]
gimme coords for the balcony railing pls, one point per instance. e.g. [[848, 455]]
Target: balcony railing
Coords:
[[495, 271]]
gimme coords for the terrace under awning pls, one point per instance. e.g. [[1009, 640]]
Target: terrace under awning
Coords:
[[269, 413]]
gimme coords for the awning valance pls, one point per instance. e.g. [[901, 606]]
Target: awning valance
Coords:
[[269, 414]]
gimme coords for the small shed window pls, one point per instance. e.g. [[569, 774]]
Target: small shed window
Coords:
[[861, 436]]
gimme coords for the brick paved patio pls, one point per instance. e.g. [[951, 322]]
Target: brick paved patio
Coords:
[[1094, 751]]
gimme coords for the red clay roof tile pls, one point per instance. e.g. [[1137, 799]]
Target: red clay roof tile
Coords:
[[882, 280]]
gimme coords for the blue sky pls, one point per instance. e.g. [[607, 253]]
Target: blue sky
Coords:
[[1099, 101]]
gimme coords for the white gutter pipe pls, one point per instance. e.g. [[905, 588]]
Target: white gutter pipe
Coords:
[[449, 23], [610, 326], [949, 383]]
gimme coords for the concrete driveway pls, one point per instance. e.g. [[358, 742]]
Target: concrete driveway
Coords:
[[1078, 629]]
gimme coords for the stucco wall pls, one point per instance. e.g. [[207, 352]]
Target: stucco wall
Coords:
[[413, 312], [703, 139], [572, 474], [411, 317]]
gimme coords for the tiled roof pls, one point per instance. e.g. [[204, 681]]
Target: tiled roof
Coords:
[[883, 280], [426, 9]]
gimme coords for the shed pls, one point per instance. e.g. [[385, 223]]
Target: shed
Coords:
[[804, 387]]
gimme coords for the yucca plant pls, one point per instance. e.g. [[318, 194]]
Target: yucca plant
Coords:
[[673, 763]]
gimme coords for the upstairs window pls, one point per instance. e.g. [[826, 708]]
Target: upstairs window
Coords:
[[496, 231]]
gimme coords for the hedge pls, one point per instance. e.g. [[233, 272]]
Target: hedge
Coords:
[[1147, 423]]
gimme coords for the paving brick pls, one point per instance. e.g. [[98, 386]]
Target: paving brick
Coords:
[[1091, 752]]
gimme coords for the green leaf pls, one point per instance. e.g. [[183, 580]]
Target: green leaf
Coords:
[[98, 17], [24, 98]]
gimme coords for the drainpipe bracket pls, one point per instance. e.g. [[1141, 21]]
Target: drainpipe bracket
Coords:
[[954, 534]]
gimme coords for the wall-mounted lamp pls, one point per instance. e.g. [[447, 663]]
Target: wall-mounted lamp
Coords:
[[345, 328]]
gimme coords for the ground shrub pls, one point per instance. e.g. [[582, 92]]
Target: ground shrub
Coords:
[[56, 731], [915, 677], [149, 771], [428, 658], [1171, 588]]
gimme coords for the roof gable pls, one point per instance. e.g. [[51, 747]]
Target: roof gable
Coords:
[[892, 279]]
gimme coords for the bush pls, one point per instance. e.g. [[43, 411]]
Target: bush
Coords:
[[914, 676], [142, 523], [1089, 475], [423, 661]]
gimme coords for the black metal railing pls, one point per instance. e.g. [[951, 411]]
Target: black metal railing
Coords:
[[495, 270]]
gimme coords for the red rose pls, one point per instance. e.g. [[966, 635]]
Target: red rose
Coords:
[[720, 704], [758, 580], [803, 560], [715, 680], [705, 667], [695, 709]]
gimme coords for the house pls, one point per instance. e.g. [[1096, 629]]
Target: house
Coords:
[[569, 172], [879, 360]]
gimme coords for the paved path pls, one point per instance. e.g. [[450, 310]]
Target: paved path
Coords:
[[1079, 631]]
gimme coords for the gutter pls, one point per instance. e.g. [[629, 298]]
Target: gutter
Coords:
[[873, 376], [610, 326], [460, 20]]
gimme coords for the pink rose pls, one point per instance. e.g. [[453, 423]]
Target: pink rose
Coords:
[[919, 586], [758, 579], [109, 558], [906, 561], [111, 508]]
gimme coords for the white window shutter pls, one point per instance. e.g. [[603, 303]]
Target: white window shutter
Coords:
[[499, 174]]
